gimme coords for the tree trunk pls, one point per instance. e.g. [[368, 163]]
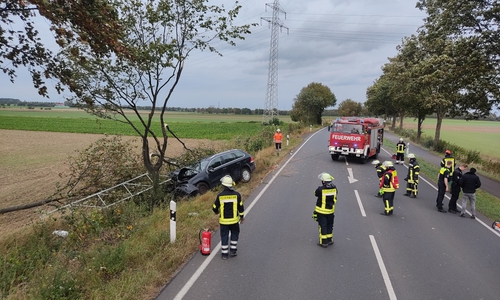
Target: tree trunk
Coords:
[[401, 117], [26, 206], [437, 133], [393, 125], [420, 121]]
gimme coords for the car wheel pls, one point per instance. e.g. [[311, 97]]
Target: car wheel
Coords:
[[335, 157], [202, 187], [245, 175]]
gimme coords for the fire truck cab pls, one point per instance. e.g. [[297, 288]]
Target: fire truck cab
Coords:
[[356, 137]]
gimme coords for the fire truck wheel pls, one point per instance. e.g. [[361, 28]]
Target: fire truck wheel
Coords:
[[335, 157]]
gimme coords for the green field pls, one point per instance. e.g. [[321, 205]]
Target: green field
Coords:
[[182, 117], [184, 125], [482, 136]]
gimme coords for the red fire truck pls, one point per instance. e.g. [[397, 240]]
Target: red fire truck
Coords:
[[356, 137]]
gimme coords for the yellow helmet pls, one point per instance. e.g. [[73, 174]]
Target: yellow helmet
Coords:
[[411, 155], [325, 177]]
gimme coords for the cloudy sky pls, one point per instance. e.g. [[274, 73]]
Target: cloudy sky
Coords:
[[339, 43]]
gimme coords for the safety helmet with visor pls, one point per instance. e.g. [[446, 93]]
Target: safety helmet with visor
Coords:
[[227, 181], [325, 177]]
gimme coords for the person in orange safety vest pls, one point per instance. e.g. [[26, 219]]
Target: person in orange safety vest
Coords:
[[278, 139]]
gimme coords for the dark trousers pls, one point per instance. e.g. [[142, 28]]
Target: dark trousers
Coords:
[[400, 156], [388, 198], [278, 146], [455, 193], [325, 228], [411, 188], [440, 196], [234, 229]]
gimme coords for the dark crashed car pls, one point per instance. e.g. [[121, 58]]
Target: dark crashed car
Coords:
[[207, 173]]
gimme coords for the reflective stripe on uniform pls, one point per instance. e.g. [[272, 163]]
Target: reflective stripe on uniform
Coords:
[[324, 194], [233, 217]]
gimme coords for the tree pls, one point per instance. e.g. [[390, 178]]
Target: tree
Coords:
[[158, 38], [94, 23], [473, 25], [379, 99], [310, 103], [350, 108]]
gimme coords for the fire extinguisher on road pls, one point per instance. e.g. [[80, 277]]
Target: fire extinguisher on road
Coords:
[[205, 237]]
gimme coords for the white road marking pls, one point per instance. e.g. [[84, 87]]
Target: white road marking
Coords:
[[383, 270], [361, 208], [351, 177]]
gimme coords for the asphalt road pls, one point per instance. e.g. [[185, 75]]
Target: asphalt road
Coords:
[[418, 253]]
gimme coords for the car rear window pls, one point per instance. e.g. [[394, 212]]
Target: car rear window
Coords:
[[228, 157], [238, 154]]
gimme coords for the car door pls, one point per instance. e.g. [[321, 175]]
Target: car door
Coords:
[[232, 165], [216, 170]]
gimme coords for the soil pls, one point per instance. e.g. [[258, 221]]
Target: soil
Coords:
[[30, 164]]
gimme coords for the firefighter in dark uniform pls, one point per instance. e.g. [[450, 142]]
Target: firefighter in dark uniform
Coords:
[[324, 212], [447, 157], [388, 188], [412, 177], [443, 187], [400, 151], [229, 206], [380, 172], [455, 188]]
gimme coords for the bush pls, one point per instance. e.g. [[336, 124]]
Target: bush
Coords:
[[472, 156], [103, 164]]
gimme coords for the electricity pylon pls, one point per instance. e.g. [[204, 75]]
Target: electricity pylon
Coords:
[[271, 108]]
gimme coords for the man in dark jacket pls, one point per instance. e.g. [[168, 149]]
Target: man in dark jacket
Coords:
[[469, 183], [455, 188]]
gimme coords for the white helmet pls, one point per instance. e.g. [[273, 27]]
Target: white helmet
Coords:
[[375, 162], [227, 181], [278, 130], [400, 139], [325, 177], [411, 155], [388, 163]]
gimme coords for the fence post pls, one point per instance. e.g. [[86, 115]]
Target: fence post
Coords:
[[287, 139], [173, 220]]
